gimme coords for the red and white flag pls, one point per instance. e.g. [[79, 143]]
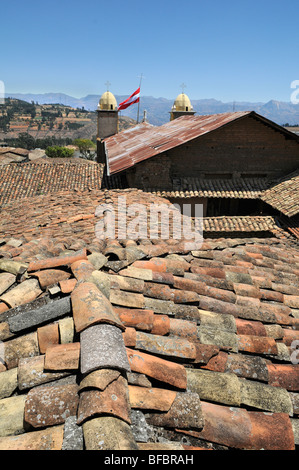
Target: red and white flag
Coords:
[[134, 98]]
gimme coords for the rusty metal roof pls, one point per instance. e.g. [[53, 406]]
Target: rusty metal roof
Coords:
[[143, 141], [125, 149]]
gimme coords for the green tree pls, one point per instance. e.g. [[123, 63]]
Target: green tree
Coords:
[[59, 152], [86, 148]]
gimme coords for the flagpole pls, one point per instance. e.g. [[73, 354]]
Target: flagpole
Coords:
[[139, 98]]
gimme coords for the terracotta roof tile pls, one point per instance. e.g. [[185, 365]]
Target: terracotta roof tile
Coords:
[[193, 347], [50, 406], [283, 195], [113, 400], [30, 179]]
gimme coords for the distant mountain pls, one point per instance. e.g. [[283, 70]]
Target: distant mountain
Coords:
[[157, 109]]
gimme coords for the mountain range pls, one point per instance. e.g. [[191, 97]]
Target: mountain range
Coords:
[[157, 109]]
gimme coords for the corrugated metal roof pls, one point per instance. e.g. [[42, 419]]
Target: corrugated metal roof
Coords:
[[143, 141], [125, 149]]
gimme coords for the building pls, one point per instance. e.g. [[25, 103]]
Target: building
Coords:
[[223, 161], [181, 107], [107, 112]]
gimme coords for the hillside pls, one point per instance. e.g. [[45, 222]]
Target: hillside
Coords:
[[158, 108], [44, 121]]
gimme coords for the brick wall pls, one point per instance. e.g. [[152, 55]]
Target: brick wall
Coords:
[[246, 147]]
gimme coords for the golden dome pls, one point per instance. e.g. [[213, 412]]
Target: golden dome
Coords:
[[107, 102], [182, 103]]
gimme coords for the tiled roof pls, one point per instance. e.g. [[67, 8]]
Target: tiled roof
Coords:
[[149, 346], [284, 195], [30, 179], [71, 215], [66, 214], [240, 224], [237, 188]]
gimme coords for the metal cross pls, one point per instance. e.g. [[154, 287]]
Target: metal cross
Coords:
[[107, 85], [182, 87]]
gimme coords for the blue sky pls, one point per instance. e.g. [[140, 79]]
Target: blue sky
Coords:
[[228, 50]]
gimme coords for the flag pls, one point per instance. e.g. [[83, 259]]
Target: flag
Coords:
[[134, 98]]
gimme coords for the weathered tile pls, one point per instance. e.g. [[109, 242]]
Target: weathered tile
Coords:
[[126, 283], [157, 368], [82, 269], [23, 293], [113, 400], [273, 331], [68, 285], [271, 431], [291, 300], [31, 372], [247, 290], [218, 306], [102, 346], [49, 406], [46, 439], [8, 382], [126, 299], [12, 415], [265, 397], [162, 278], [90, 306], [129, 337], [284, 375], [183, 328], [225, 425], [137, 273], [165, 345], [48, 277], [47, 335], [214, 386], [66, 330], [251, 367], [159, 306], [54, 262], [141, 319], [17, 348], [251, 328], [139, 380], [151, 398], [72, 435], [97, 259], [61, 357], [5, 331], [6, 281], [108, 433], [256, 344], [214, 320], [102, 281], [27, 319], [216, 336], [99, 379], [13, 267], [185, 412], [3, 307], [204, 352]]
